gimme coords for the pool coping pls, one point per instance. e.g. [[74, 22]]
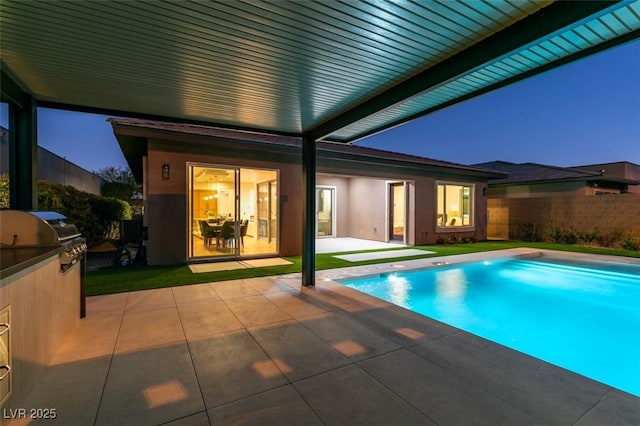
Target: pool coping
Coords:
[[439, 261]]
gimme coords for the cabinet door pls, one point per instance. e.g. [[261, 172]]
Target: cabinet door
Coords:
[[5, 355]]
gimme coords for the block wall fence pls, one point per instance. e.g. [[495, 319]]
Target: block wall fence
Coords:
[[608, 213]]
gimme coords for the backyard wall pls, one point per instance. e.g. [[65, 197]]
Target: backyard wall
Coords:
[[608, 213], [54, 169]]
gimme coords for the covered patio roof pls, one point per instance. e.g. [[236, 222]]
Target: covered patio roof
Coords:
[[330, 70], [318, 70]]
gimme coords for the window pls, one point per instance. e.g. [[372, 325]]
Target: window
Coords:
[[455, 205]]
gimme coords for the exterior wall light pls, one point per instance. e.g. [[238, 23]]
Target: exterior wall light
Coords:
[[165, 172]]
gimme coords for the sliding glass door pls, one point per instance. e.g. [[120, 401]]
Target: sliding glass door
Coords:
[[225, 211]]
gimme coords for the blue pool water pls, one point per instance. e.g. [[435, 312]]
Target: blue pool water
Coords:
[[583, 317]]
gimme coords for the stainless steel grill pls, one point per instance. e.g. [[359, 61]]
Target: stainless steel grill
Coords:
[[25, 229]]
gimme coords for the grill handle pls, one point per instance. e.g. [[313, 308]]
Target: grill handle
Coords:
[[4, 367]]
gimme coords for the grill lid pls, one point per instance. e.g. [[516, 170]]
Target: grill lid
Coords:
[[59, 223], [30, 229]]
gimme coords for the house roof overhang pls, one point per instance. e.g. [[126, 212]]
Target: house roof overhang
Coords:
[[133, 136], [331, 70]]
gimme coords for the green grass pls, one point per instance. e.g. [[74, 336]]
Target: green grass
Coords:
[[116, 280]]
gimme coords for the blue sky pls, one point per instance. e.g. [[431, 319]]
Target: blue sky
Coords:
[[583, 113]]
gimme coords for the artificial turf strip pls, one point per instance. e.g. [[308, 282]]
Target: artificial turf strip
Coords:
[[117, 280]]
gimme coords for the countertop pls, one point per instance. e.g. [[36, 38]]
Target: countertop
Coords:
[[16, 259]]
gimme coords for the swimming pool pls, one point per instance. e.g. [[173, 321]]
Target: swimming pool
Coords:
[[581, 316]]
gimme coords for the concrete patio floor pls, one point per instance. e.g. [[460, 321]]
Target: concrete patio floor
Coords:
[[264, 351]]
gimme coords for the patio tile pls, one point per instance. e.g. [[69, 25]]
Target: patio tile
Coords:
[[257, 310], [440, 394], [207, 318], [617, 408], [188, 294], [74, 390], [298, 306], [94, 336], [198, 419], [549, 393], [233, 289], [268, 285], [349, 396], [231, 366], [404, 328], [296, 350], [338, 296], [290, 280], [349, 337], [146, 329], [281, 406], [150, 387], [146, 300], [110, 304]]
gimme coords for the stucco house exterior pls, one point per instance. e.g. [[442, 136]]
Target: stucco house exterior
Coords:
[[195, 178]]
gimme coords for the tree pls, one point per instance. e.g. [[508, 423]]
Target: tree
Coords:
[[119, 183]]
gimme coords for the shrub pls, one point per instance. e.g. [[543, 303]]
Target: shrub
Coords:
[[554, 233], [589, 237], [96, 217], [529, 232], [570, 236], [611, 239], [4, 191], [631, 242]]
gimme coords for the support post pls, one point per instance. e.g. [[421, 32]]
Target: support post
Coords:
[[308, 211], [23, 155]]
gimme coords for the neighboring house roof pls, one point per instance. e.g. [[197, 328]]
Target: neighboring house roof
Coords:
[[520, 173], [130, 131], [620, 169]]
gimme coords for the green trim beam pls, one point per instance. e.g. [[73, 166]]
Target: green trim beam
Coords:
[[548, 20]]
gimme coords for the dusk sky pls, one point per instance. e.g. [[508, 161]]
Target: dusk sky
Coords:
[[583, 113]]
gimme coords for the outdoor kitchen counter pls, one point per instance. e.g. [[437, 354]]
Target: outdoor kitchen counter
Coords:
[[43, 304], [16, 259]]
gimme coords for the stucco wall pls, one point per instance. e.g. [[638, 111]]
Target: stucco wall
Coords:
[[608, 213], [166, 200], [360, 205], [426, 230], [367, 209]]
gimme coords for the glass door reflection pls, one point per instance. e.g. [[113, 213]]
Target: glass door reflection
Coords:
[[325, 211], [233, 212]]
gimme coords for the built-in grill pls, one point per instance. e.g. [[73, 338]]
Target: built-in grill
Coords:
[[32, 229]]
